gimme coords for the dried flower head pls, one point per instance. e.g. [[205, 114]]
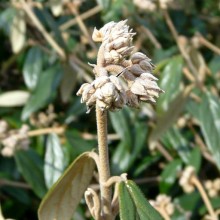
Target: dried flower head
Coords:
[[14, 140], [163, 202], [185, 180], [106, 90], [213, 187]]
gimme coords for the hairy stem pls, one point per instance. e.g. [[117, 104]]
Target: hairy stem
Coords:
[[104, 170]]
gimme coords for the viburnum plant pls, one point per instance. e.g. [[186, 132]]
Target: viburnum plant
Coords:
[[119, 81]]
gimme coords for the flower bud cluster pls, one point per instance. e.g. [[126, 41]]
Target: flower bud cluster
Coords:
[[185, 180], [163, 202], [141, 82], [106, 91], [116, 39], [44, 119], [13, 139], [213, 187]]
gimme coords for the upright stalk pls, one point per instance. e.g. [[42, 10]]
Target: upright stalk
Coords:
[[104, 170]]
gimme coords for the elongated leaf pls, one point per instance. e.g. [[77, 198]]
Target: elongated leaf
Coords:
[[62, 199], [209, 119], [31, 167], [121, 158], [127, 209], [14, 98], [68, 82], [195, 159], [144, 209], [139, 140], [169, 175], [54, 162], [170, 82], [18, 31], [166, 119], [32, 67], [46, 84], [178, 142], [6, 18], [104, 3]]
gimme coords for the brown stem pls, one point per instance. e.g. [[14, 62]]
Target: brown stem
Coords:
[[57, 130], [194, 180], [104, 170]]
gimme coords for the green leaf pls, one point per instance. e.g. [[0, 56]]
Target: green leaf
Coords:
[[208, 114], [169, 175], [68, 82], [195, 159], [170, 82], [178, 142], [167, 118], [32, 67], [127, 208], [121, 158], [104, 3], [144, 209], [6, 18], [120, 123], [54, 161], [139, 140], [64, 196], [30, 166], [45, 87]]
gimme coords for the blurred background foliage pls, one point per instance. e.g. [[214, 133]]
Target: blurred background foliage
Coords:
[[45, 50]]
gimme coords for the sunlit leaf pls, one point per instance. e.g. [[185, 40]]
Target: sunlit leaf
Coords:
[[14, 98], [54, 161], [104, 3], [170, 82], [127, 208], [62, 199], [18, 31], [32, 67], [209, 119], [144, 210]]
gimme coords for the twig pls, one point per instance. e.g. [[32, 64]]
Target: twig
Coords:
[[83, 16], [43, 31], [208, 44], [4, 182], [81, 25], [194, 180], [57, 130], [164, 152], [152, 38], [181, 47]]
